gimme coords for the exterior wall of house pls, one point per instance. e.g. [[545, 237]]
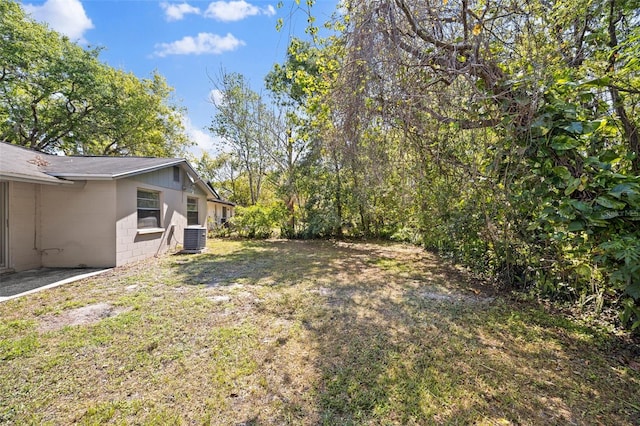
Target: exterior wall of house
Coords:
[[61, 225], [133, 244], [169, 178], [95, 223], [24, 226], [214, 214], [77, 224]]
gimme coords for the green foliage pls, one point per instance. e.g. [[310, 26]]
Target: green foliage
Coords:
[[56, 96], [506, 140], [588, 201], [242, 121], [135, 117], [620, 257], [258, 221], [321, 220], [577, 202], [291, 83]]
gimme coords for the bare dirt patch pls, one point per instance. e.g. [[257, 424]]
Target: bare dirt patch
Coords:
[[80, 316], [454, 297]]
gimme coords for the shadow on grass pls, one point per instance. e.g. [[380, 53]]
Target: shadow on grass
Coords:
[[278, 262], [385, 353], [456, 365]]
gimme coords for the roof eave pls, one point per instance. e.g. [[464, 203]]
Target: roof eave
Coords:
[[33, 179], [228, 203], [198, 180], [75, 176]]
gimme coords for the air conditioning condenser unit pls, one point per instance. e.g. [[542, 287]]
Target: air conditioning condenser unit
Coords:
[[195, 238]]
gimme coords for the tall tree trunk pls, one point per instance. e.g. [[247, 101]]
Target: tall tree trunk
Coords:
[[628, 125], [338, 193]]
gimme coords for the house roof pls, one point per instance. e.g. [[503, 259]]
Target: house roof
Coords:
[[18, 163], [218, 199], [25, 165], [221, 201], [97, 168]]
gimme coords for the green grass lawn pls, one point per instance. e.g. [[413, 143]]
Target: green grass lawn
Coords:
[[290, 332]]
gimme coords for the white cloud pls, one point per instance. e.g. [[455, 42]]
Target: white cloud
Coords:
[[216, 96], [65, 16], [342, 8], [204, 141], [235, 10], [176, 12], [202, 44]]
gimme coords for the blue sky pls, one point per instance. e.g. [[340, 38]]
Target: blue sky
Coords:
[[185, 41]]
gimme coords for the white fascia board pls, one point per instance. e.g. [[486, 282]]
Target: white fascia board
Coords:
[[76, 176], [33, 179]]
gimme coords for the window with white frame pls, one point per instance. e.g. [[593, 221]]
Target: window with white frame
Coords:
[[192, 211], [148, 209]]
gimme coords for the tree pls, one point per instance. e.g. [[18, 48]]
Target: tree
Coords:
[[47, 82], [516, 124], [242, 120], [56, 96], [225, 173], [135, 117], [288, 83]]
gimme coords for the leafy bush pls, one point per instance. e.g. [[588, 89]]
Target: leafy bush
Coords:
[[588, 203], [259, 221]]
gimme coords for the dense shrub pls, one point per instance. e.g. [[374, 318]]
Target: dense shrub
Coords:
[[259, 221]]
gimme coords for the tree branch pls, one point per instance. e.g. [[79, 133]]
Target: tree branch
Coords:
[[425, 36]]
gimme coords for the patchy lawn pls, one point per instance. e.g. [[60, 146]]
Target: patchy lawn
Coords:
[[290, 332]]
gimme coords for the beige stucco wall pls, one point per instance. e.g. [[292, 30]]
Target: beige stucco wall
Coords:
[[214, 213], [23, 226], [133, 244], [61, 225], [78, 224], [92, 223]]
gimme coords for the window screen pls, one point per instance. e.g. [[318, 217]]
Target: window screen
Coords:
[[192, 211], [148, 209]]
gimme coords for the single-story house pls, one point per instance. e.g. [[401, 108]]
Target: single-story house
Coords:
[[69, 211], [219, 211]]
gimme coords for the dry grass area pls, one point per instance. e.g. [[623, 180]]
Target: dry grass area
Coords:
[[290, 332]]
